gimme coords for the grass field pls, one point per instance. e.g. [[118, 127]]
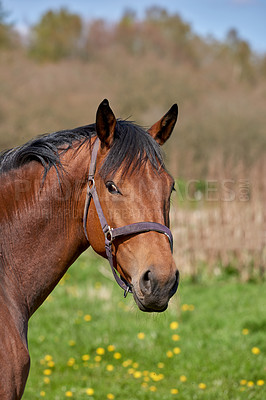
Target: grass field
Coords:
[[87, 342]]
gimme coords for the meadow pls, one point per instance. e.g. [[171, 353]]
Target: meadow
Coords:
[[88, 342]]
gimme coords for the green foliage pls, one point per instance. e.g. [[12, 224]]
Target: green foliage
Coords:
[[207, 336], [171, 25], [160, 33], [56, 36]]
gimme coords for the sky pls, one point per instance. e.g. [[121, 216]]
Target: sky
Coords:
[[206, 17]]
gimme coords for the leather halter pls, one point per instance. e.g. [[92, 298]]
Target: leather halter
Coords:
[[111, 234]]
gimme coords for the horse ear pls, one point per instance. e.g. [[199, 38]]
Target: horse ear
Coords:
[[162, 129], [105, 124]]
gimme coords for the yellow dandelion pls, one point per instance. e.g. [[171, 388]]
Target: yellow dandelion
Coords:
[[156, 377], [202, 386], [137, 374], [87, 317], [85, 357], [111, 347], [177, 350], [169, 354], [98, 358], [146, 379], [153, 388], [144, 385], [245, 331], [51, 364], [135, 365], [160, 365], [127, 363], [260, 382], [109, 367], [185, 307], [183, 378], [174, 325], [71, 362], [131, 371], [243, 382], [191, 307], [47, 372], [141, 335], [46, 379], [250, 384], [71, 343], [145, 373], [117, 355], [100, 351], [110, 396], [42, 393], [174, 391], [69, 393], [255, 350], [175, 338], [62, 281], [89, 392], [48, 357]]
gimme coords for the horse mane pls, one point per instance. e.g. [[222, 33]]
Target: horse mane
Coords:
[[132, 148]]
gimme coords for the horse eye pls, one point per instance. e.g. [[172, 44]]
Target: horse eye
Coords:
[[112, 188]]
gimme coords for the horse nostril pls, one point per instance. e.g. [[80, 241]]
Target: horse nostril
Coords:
[[175, 285], [145, 282]]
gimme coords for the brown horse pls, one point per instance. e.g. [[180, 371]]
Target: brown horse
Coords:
[[44, 187]]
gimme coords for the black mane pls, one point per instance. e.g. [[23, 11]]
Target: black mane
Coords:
[[132, 148]]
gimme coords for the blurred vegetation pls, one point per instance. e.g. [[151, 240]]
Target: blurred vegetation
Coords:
[[7, 34], [55, 77], [56, 36]]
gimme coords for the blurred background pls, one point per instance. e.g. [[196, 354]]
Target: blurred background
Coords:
[[58, 60]]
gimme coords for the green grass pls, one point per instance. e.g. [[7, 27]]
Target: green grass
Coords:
[[213, 349]]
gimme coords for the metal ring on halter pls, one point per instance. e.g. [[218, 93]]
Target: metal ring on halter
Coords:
[[126, 291], [108, 233], [170, 241], [91, 184]]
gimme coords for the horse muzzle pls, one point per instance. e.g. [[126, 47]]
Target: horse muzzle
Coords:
[[152, 293]]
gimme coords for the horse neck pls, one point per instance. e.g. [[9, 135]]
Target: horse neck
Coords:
[[41, 229]]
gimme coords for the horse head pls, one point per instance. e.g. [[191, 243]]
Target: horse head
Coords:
[[134, 187]]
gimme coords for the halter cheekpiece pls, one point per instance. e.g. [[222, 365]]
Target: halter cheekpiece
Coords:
[[111, 234]]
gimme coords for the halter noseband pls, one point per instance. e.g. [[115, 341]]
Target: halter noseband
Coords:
[[111, 234]]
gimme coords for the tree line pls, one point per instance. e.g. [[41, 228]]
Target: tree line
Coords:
[[62, 35]]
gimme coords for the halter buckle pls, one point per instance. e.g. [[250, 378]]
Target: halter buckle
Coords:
[[108, 233]]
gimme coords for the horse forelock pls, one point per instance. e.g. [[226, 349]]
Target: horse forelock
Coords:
[[132, 148]]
